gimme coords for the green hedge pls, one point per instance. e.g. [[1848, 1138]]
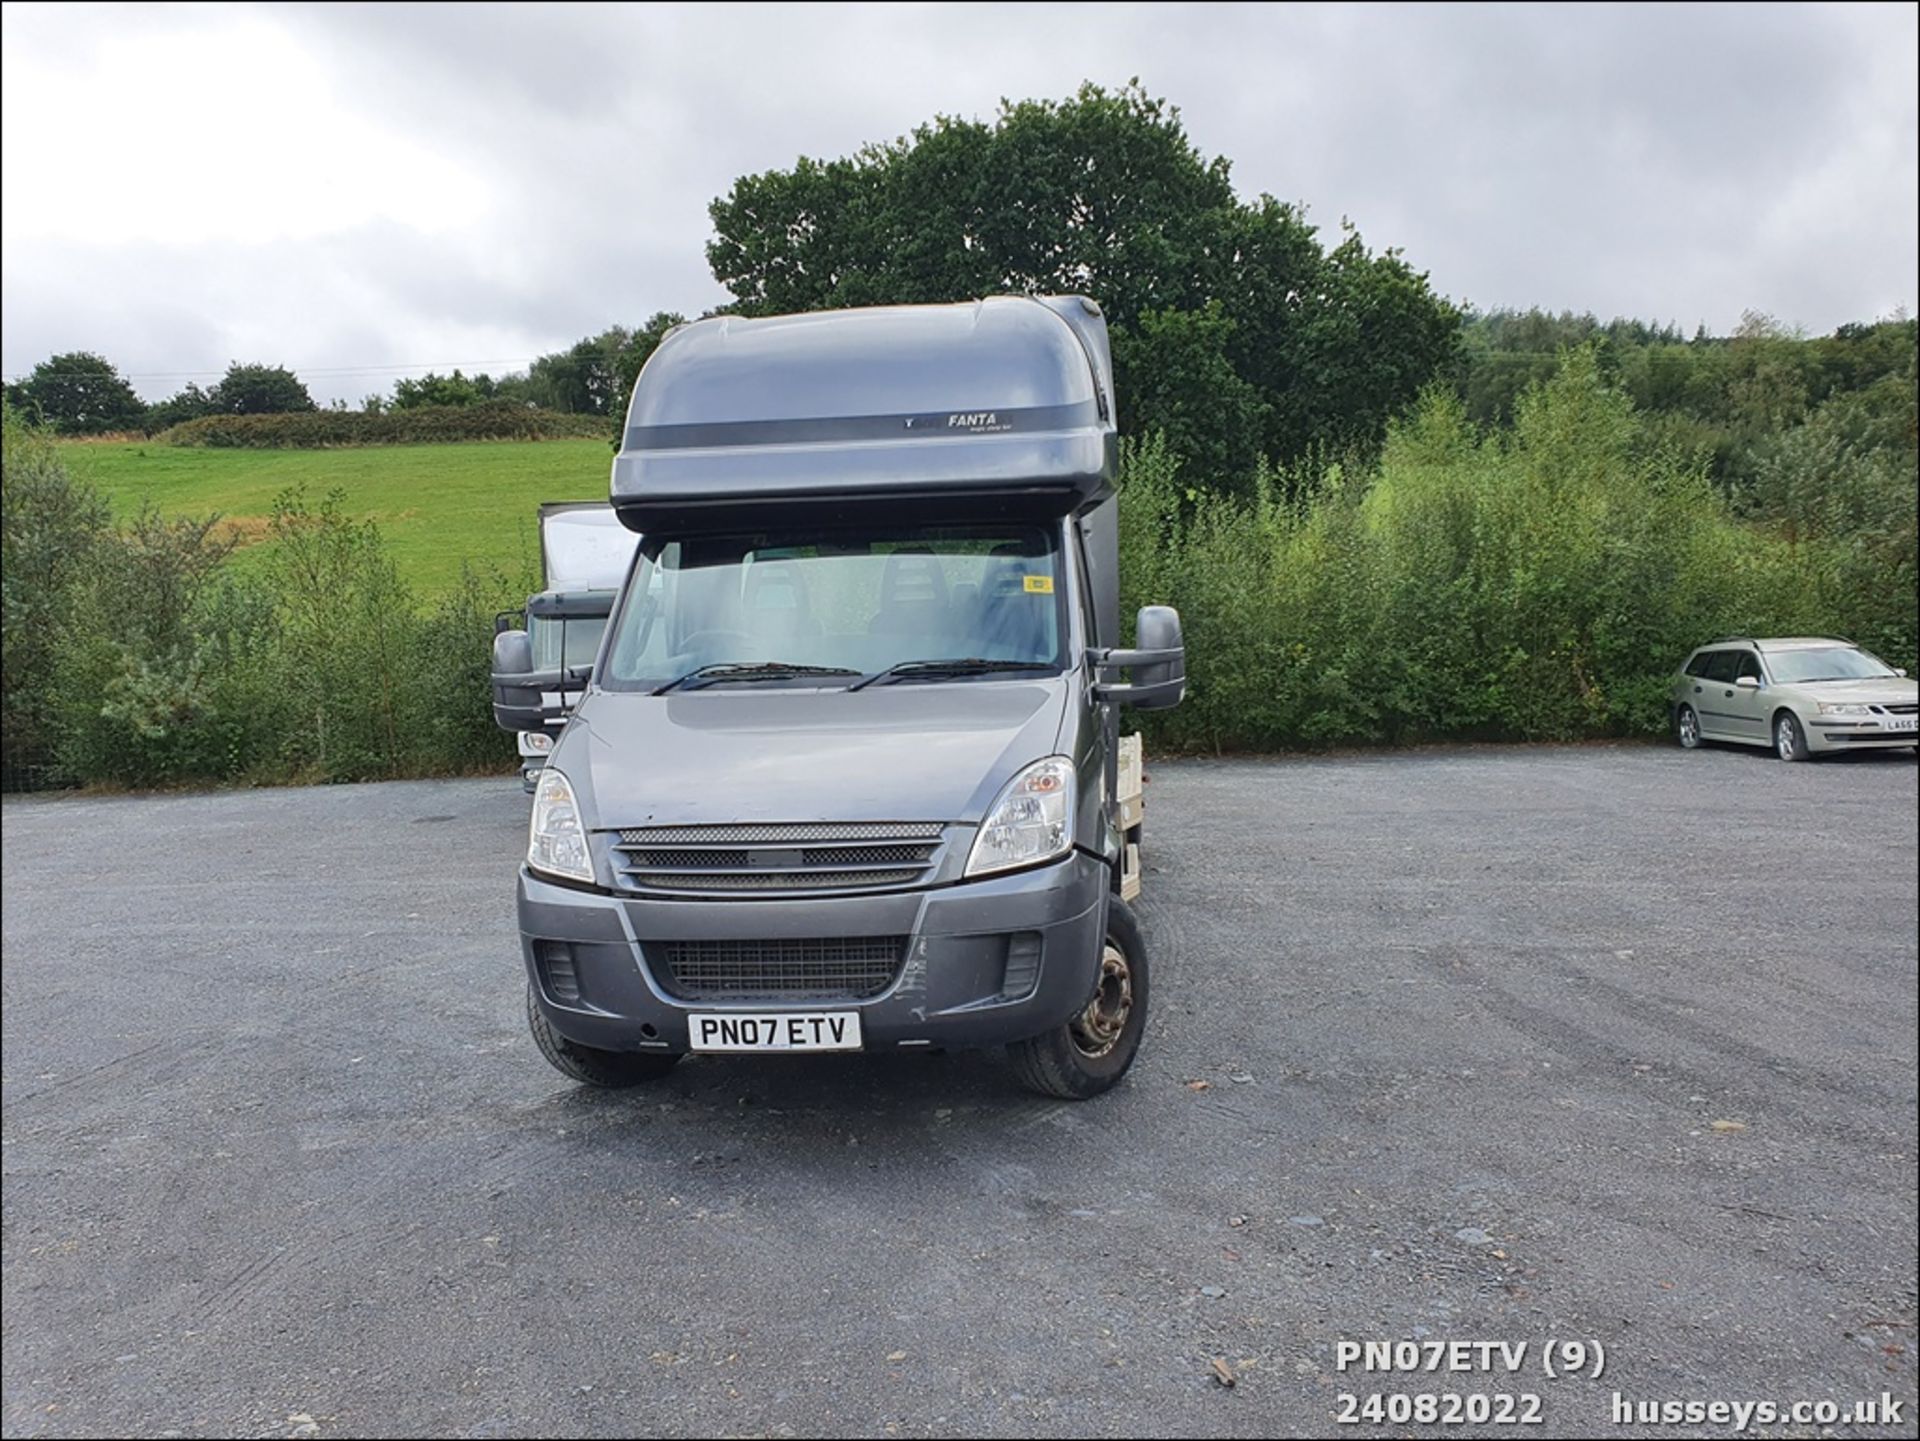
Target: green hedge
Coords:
[[1541, 582], [422, 425], [137, 655], [1538, 583]]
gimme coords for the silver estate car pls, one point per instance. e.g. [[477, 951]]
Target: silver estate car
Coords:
[[1805, 696]]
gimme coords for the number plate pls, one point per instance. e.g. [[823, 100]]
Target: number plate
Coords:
[[775, 1031], [1901, 722]]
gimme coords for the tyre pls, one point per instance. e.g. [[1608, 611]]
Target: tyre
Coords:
[[1686, 728], [1789, 741], [1091, 1052], [591, 1067]]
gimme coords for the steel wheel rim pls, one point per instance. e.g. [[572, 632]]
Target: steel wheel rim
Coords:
[[1689, 728], [1784, 739], [1097, 1030]]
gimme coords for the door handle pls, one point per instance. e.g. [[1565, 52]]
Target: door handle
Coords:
[[1729, 695], [1696, 690]]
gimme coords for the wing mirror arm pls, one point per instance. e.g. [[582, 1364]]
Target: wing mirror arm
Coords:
[[1158, 664]]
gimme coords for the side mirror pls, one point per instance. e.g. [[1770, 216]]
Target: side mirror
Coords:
[[1158, 662], [1899, 670], [516, 689], [1748, 682], [505, 621]]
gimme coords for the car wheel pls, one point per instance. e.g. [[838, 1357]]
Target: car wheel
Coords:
[[612, 1070], [1091, 1052], [1789, 741], [1686, 728]]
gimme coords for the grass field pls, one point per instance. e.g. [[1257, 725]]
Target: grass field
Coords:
[[437, 505]]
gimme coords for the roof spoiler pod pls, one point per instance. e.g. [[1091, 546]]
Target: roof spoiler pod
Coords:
[[1001, 406]]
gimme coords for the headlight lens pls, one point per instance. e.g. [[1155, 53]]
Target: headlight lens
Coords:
[[1032, 820], [538, 742], [557, 842], [1839, 708]]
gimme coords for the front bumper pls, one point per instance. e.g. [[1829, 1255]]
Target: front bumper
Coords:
[[1854, 733], [986, 962]]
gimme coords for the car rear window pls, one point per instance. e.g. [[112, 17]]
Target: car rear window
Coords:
[[1697, 666]]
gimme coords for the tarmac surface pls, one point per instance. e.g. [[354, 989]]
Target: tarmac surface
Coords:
[[1542, 1045]]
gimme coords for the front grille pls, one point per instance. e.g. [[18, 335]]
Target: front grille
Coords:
[[1910, 709], [773, 881], [777, 856], [854, 968]]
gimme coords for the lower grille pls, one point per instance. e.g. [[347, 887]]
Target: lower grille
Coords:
[[854, 968]]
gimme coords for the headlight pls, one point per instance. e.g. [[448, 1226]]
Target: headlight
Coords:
[[1836, 708], [557, 843], [538, 742], [1032, 820]]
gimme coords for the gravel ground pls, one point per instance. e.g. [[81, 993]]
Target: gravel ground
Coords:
[[1610, 1044]]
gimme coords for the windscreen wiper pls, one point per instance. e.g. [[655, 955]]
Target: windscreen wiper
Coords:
[[748, 670], [961, 665]]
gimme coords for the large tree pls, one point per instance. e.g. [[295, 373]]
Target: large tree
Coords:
[[640, 347], [79, 393], [436, 389], [1236, 330], [595, 375], [582, 379], [260, 390], [190, 402]]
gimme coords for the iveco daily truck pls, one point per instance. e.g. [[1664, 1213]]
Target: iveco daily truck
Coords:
[[847, 772]]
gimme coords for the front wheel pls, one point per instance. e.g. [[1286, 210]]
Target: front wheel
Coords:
[[1789, 741], [1091, 1052], [611, 1070]]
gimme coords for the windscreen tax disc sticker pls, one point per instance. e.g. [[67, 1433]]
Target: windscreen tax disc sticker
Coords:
[[1039, 584]]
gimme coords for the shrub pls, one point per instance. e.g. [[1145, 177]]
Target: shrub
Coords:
[[422, 425], [1540, 584], [50, 526], [134, 690], [135, 657]]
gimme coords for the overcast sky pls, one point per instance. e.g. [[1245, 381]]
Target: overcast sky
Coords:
[[361, 191]]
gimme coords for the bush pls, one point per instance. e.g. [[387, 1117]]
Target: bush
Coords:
[[1540, 584], [133, 692], [50, 526], [135, 657], [422, 425], [1537, 583]]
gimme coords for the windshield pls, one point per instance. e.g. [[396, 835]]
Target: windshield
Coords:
[[1835, 662], [559, 643], [854, 602]]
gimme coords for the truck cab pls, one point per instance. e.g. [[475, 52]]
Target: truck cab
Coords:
[[847, 772], [585, 553]]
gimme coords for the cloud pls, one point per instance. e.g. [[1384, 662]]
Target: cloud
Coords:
[[350, 189]]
